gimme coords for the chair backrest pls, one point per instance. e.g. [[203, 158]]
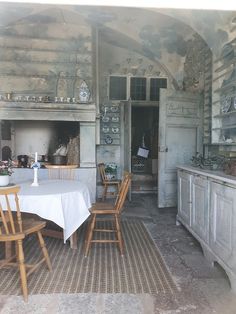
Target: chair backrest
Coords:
[[9, 225], [123, 192], [63, 172], [101, 168]]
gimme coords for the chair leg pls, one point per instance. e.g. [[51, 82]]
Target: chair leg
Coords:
[[119, 236], [44, 250], [118, 188], [90, 234], [23, 275], [104, 195]]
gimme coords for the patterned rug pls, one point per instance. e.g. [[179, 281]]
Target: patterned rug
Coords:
[[141, 270]]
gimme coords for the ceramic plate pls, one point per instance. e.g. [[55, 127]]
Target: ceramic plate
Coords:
[[105, 119], [108, 139], [115, 119], [225, 104], [105, 129], [114, 108], [115, 130], [235, 102]]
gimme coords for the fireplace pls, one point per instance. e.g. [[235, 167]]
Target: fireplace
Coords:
[[42, 127], [49, 123], [25, 137]]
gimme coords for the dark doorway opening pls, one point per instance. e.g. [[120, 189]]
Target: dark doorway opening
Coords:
[[144, 146]]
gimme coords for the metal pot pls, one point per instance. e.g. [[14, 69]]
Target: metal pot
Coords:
[[59, 160], [22, 161]]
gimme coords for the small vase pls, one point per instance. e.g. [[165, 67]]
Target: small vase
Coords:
[[4, 180]]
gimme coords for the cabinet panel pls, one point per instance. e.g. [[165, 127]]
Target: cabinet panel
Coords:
[[223, 223], [207, 207], [200, 207], [184, 196]]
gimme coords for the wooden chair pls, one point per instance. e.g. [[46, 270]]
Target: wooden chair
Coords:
[[14, 229], [107, 183], [63, 172], [110, 211]]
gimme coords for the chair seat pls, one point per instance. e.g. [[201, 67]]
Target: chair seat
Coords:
[[102, 205], [104, 211], [111, 181], [31, 225]]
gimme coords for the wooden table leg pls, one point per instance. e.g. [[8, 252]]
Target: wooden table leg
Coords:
[[73, 241]]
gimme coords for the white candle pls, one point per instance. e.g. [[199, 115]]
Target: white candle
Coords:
[[36, 157]]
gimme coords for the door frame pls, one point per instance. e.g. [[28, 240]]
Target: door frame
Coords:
[[143, 104]]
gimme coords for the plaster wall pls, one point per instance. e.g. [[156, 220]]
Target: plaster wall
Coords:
[[48, 50], [42, 55]]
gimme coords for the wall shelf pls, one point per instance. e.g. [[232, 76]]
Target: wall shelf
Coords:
[[230, 85], [49, 39], [222, 115], [223, 143], [85, 78], [73, 63], [226, 65], [65, 51], [227, 127]]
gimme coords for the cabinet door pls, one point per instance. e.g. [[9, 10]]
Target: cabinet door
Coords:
[[200, 207], [223, 222], [184, 196]]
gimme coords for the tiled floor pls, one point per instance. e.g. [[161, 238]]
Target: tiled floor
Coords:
[[202, 289]]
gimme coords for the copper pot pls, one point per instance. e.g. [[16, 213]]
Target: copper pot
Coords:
[[59, 160]]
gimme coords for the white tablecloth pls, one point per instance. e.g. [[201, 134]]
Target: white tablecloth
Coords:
[[65, 202]]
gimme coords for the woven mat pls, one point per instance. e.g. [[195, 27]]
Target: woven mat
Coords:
[[141, 270]]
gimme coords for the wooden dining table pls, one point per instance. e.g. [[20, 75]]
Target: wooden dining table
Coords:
[[64, 202]]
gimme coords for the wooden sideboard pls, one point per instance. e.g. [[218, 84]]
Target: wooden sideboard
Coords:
[[207, 208]]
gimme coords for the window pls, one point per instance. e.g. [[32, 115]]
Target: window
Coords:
[[155, 85], [118, 88], [138, 88]]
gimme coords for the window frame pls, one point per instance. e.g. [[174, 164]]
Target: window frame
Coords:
[[128, 86], [109, 83]]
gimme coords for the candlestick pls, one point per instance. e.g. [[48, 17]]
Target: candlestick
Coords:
[[36, 157], [35, 182]]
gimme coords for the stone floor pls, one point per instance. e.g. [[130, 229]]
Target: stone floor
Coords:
[[202, 289]]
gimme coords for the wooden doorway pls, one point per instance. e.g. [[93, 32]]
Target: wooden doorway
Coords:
[[144, 148]]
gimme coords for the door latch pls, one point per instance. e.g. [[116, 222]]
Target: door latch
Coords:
[[163, 149]]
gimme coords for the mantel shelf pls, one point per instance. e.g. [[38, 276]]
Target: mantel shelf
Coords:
[[222, 115], [84, 112], [43, 105]]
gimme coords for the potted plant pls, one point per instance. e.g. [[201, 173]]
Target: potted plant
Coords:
[[111, 171], [5, 171]]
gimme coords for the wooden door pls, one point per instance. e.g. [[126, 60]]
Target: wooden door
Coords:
[[127, 139], [179, 139]]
